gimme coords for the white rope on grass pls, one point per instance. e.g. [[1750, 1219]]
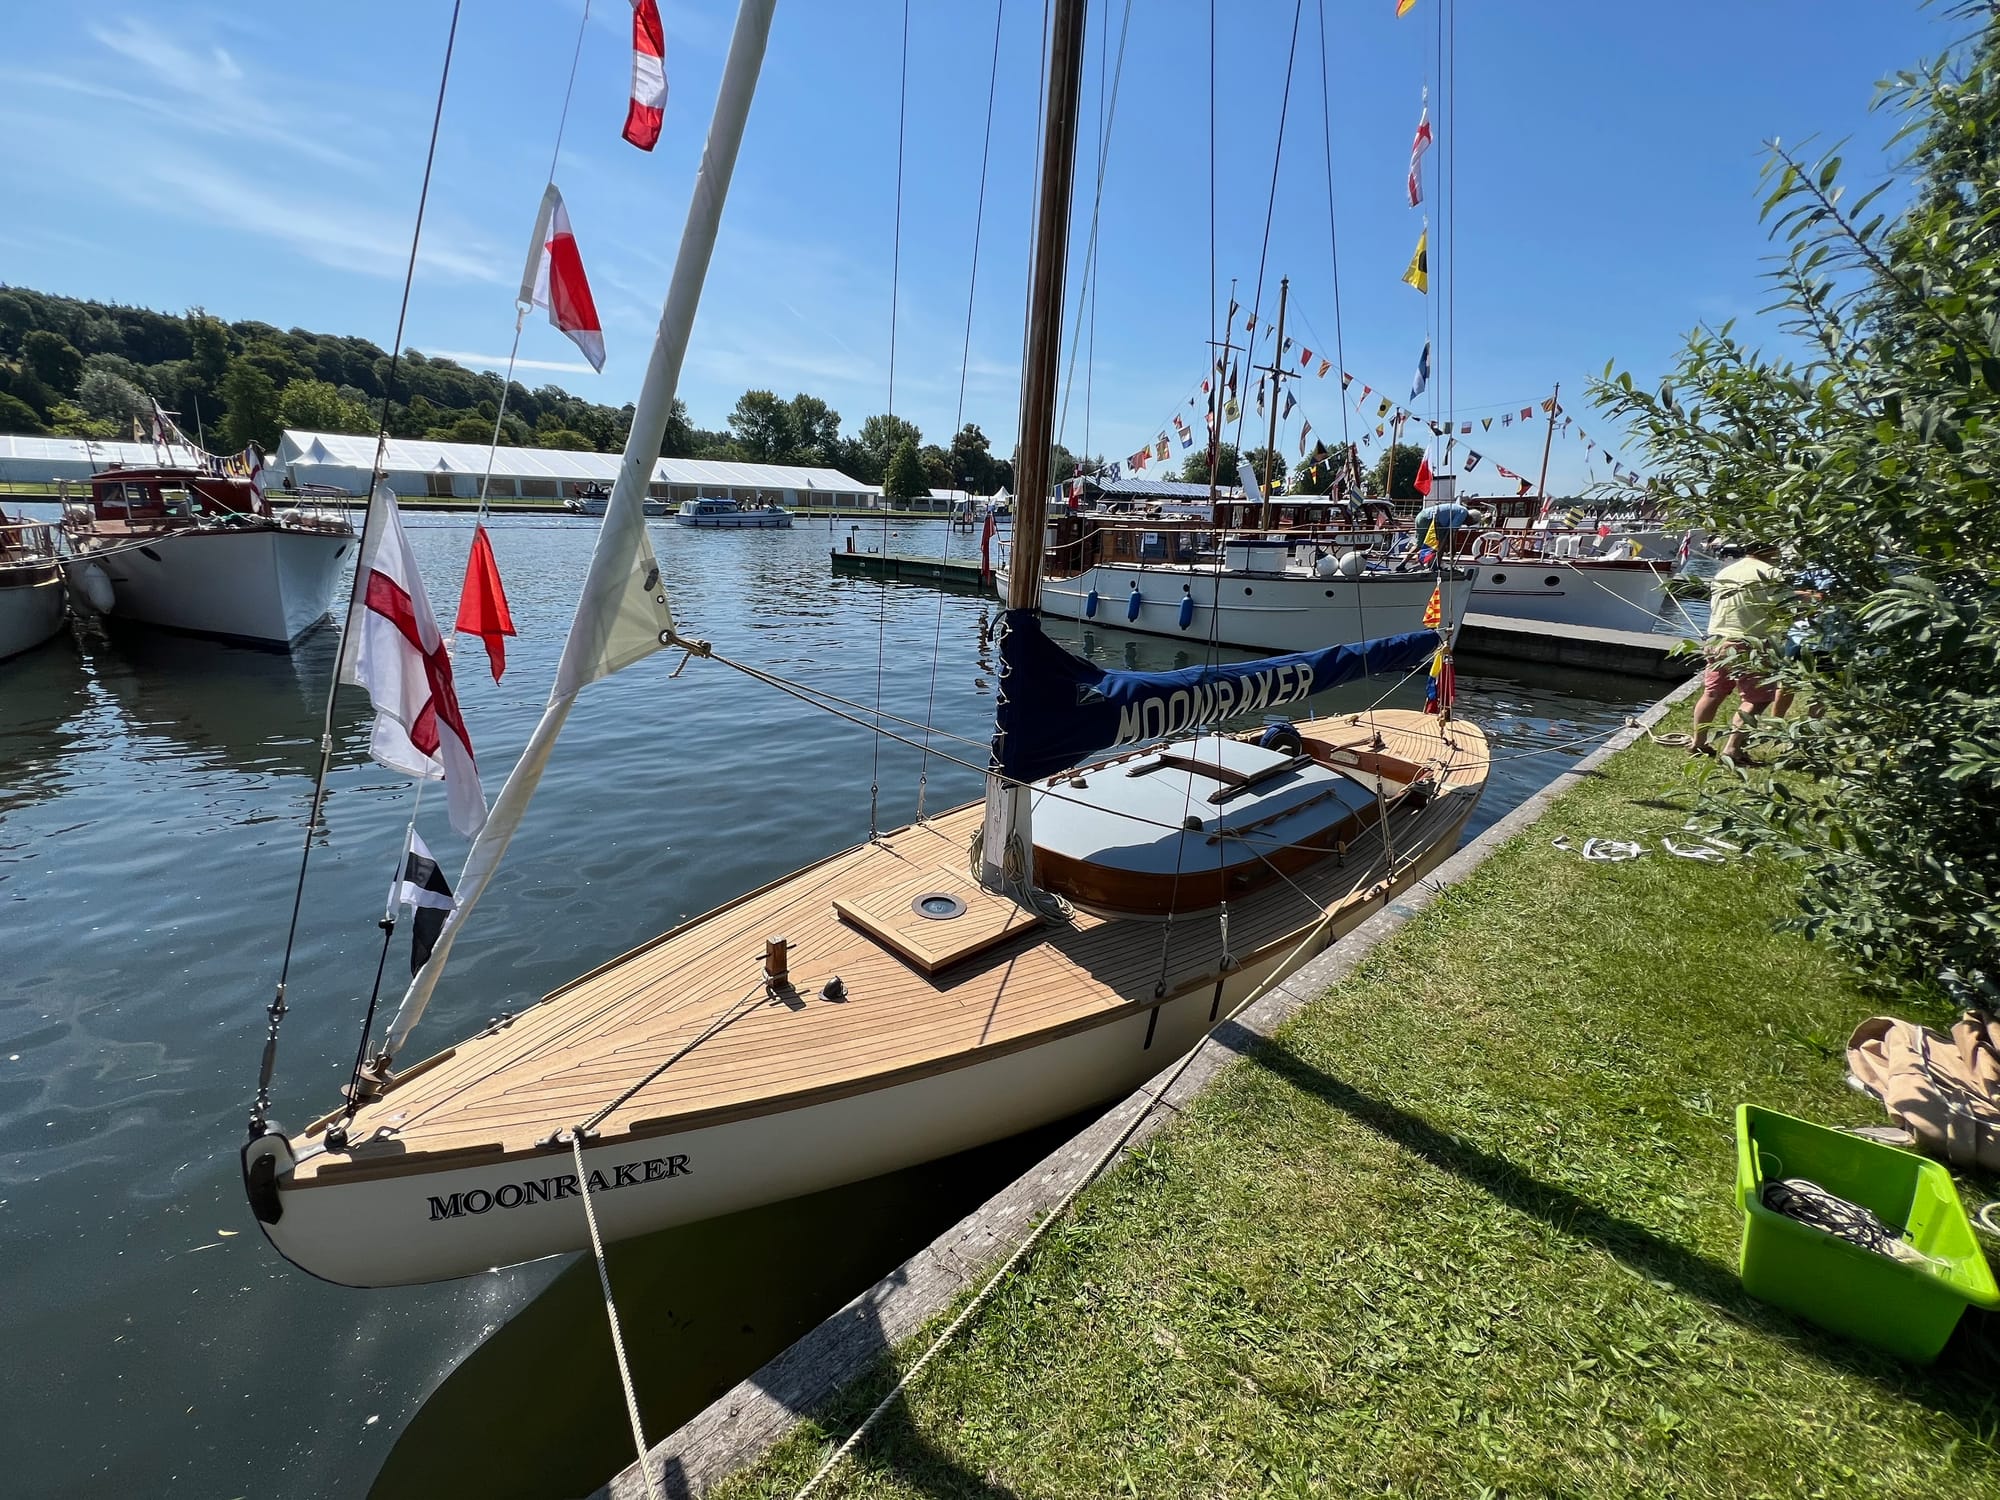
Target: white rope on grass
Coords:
[[611, 1312]]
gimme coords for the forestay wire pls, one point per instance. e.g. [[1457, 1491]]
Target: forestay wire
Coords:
[[964, 367], [260, 1109], [895, 297]]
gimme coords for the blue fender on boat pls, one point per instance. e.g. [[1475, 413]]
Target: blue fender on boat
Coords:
[[1090, 605], [1132, 603], [1187, 607]]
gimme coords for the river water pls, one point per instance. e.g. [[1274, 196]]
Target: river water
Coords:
[[152, 791]]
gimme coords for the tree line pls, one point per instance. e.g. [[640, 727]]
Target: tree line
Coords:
[[79, 368]]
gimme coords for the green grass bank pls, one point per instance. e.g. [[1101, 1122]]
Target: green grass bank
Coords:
[[1464, 1227]]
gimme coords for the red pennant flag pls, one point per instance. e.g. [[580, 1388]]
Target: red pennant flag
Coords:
[[986, 546], [649, 76], [554, 279], [482, 603]]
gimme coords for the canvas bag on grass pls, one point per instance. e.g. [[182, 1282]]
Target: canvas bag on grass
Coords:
[[1944, 1089]]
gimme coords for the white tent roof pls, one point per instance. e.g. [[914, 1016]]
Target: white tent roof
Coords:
[[21, 456], [349, 451]]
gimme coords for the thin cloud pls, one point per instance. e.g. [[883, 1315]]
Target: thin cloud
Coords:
[[498, 362], [344, 236]]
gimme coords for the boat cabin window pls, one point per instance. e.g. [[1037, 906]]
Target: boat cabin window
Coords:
[[177, 501]]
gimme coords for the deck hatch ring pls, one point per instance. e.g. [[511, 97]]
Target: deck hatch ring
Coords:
[[939, 906]]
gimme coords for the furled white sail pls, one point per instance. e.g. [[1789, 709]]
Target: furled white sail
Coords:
[[623, 615]]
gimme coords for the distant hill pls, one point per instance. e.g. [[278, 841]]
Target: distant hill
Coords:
[[89, 369]]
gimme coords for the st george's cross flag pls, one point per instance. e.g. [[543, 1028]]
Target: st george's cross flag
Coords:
[[393, 648], [1418, 147], [554, 279], [421, 886], [649, 76]]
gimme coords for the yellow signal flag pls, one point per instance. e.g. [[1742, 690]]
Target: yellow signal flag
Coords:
[[1431, 536], [1434, 611], [1419, 274], [1404, 7]]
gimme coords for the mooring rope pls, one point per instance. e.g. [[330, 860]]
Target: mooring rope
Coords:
[[611, 1313]]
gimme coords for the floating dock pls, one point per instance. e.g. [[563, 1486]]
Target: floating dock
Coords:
[[1594, 648], [955, 573]]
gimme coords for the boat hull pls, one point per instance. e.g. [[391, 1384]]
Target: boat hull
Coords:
[[433, 1225], [1256, 611], [1557, 591], [267, 586], [748, 520], [31, 609]]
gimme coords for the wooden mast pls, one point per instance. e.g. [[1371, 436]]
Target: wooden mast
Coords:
[[1548, 442], [1006, 860], [1045, 302], [1277, 369]]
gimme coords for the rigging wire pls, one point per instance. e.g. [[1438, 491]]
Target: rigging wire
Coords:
[[895, 298], [260, 1108], [964, 368], [520, 307]]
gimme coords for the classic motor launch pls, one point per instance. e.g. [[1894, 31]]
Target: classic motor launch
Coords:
[[947, 983], [202, 551]]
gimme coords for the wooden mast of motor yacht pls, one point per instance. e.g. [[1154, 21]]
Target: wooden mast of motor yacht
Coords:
[[1006, 851], [1276, 368]]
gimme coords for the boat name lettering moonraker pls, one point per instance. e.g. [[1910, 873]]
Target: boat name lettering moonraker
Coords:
[[1209, 703], [546, 1189]]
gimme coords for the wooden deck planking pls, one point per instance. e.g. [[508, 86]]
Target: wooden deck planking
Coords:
[[568, 1056]]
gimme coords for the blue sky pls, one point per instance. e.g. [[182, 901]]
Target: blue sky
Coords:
[[263, 161]]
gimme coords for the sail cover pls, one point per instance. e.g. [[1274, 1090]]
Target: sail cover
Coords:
[[1056, 710]]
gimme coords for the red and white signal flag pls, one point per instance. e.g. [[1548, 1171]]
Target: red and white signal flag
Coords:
[[649, 76], [1418, 147], [394, 649], [554, 279]]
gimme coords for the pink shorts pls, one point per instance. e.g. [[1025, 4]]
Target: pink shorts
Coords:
[[1752, 689]]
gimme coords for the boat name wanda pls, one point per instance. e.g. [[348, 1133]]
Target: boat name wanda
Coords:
[[1211, 703], [624, 1174]]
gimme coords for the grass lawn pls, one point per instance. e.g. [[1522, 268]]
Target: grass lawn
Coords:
[[1465, 1228]]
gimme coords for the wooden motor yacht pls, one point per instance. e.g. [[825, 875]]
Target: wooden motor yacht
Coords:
[[200, 550], [31, 585]]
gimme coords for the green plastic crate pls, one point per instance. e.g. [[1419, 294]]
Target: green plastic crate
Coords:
[[1908, 1310]]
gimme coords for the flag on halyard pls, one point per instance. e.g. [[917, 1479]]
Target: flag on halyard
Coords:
[[1250, 324], [986, 544], [1304, 433], [1230, 410], [482, 603], [1485, 424], [1419, 273], [554, 279], [1260, 395], [1404, 7], [1290, 402], [421, 886], [1465, 427], [649, 76], [394, 649], [1422, 483], [1418, 147], [1423, 380], [1233, 305], [1443, 685], [1345, 380], [1434, 611], [1324, 366], [1305, 359], [1187, 438], [1383, 409], [1471, 459], [1160, 449]]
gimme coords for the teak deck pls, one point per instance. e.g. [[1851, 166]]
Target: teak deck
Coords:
[[999, 983]]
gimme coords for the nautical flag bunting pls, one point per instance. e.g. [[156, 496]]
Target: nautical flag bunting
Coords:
[[649, 76], [421, 886]]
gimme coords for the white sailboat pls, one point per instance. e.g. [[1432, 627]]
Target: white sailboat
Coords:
[[947, 983]]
